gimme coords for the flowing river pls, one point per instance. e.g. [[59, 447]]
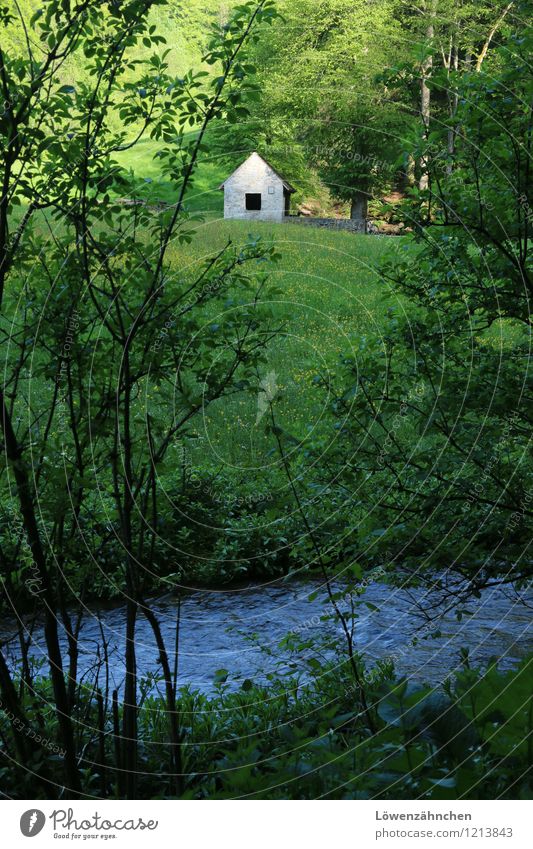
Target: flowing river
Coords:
[[240, 630]]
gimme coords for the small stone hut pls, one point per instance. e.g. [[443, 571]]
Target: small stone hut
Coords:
[[256, 192]]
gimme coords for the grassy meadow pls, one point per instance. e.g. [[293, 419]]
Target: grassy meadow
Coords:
[[204, 195], [328, 296]]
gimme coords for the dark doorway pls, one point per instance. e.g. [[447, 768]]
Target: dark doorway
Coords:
[[253, 203]]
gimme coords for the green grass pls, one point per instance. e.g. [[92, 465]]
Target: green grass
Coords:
[[330, 296], [203, 196]]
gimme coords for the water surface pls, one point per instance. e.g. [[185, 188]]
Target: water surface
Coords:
[[241, 630]]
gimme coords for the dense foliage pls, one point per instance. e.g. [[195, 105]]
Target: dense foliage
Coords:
[[120, 342], [305, 739], [345, 89], [104, 324], [436, 414]]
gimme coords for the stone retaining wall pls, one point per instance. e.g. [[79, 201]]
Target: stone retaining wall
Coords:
[[348, 224]]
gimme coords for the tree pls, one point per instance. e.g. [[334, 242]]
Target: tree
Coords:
[[105, 322], [425, 93], [446, 35], [322, 110], [436, 420], [354, 152]]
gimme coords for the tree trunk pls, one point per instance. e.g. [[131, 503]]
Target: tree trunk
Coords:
[[485, 49], [453, 103], [359, 209], [11, 705], [176, 776], [129, 714], [425, 98], [14, 456]]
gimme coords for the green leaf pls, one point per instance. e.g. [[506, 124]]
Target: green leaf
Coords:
[[220, 676]]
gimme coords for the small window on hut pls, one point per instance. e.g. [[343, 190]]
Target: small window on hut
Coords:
[[253, 202]]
